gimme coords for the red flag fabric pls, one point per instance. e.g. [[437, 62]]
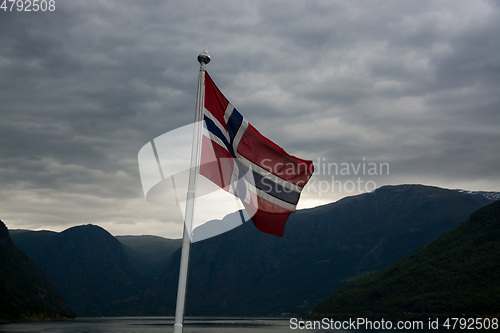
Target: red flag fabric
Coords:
[[239, 159]]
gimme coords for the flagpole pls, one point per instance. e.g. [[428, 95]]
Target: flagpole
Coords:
[[203, 59]]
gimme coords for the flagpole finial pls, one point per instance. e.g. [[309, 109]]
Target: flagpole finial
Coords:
[[204, 58]]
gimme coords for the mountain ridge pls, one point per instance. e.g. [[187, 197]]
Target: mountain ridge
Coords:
[[454, 275], [246, 272], [256, 272]]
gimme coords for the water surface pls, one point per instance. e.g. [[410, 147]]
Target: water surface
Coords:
[[165, 324]]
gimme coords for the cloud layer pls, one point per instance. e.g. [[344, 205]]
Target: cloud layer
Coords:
[[83, 88]]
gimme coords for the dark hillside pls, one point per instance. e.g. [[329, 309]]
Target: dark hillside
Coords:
[[151, 253], [456, 274], [26, 294]]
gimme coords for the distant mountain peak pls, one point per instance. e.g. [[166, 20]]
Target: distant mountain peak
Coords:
[[491, 195]]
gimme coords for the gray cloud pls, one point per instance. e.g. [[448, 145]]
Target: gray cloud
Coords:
[[83, 88]]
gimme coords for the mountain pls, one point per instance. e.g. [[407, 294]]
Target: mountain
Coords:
[[26, 294], [245, 272], [31, 242], [151, 253], [89, 266], [454, 275]]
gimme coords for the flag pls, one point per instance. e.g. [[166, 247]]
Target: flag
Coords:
[[242, 171], [239, 159]]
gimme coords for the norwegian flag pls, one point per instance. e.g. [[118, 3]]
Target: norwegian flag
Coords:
[[239, 159]]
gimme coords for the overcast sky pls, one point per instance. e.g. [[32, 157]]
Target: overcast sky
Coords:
[[413, 85]]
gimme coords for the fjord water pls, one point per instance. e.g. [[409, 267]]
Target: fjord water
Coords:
[[151, 325], [165, 324]]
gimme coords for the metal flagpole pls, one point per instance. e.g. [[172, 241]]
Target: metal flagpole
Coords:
[[203, 59]]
